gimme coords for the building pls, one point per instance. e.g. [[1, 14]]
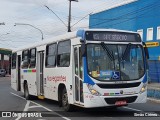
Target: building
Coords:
[[5, 59], [142, 16]]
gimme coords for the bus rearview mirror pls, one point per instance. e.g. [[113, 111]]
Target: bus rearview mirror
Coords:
[[146, 50], [83, 49]]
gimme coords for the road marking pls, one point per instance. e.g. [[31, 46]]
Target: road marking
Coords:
[[42, 106], [17, 95], [25, 109], [34, 106], [27, 106], [19, 117], [41, 119], [39, 105], [132, 109]]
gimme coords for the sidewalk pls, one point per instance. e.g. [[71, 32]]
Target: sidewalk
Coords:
[[153, 91]]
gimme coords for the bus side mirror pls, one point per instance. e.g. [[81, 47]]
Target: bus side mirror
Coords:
[[83, 49], [146, 50]]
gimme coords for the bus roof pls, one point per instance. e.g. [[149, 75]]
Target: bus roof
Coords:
[[47, 41], [70, 35]]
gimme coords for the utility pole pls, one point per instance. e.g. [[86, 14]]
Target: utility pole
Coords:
[[69, 17]]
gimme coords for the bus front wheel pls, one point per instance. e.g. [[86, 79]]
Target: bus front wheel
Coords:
[[65, 104]]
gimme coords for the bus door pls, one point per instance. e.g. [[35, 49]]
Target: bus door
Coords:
[[78, 76], [40, 69], [19, 73]]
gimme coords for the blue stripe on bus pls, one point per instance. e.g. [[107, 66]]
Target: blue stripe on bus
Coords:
[[25, 71], [144, 79], [87, 79]]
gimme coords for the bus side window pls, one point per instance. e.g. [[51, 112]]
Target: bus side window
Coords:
[[51, 51], [25, 58], [32, 58], [14, 60], [80, 63], [63, 56]]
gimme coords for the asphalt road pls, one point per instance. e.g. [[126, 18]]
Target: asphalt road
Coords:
[[12, 101]]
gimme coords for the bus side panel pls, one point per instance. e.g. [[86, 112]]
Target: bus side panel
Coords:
[[14, 79], [53, 78], [30, 76], [48, 83]]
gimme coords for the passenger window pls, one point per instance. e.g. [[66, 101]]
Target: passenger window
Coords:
[[63, 57], [25, 59], [14, 60], [51, 55], [32, 58]]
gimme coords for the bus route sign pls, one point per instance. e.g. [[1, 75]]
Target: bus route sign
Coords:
[[112, 36]]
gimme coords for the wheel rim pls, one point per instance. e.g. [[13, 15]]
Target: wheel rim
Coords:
[[65, 99]]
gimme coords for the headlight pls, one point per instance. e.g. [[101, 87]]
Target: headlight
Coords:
[[143, 89], [93, 91]]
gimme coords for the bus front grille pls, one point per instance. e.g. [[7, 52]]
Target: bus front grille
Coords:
[[124, 85], [114, 100]]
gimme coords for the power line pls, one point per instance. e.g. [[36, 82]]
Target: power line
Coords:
[[55, 15], [57, 30], [81, 19]]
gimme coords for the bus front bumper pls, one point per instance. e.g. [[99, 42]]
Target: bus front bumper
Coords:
[[104, 101]]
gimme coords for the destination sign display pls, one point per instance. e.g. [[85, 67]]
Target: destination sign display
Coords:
[[112, 36]]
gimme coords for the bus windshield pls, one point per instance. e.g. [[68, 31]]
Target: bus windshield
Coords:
[[108, 62]]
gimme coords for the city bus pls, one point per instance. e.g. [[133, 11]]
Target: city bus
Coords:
[[88, 68]]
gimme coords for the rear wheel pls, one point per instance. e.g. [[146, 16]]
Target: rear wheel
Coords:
[[65, 104]]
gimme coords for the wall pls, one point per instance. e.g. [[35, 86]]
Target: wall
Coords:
[[141, 14]]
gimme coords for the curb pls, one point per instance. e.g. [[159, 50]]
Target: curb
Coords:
[[153, 93], [153, 100], [154, 88]]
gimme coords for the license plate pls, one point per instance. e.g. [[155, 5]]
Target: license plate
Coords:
[[121, 102]]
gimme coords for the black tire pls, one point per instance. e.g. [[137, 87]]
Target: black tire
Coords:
[[26, 92], [67, 107]]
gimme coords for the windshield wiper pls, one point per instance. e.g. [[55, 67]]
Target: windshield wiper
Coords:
[[126, 51], [110, 55]]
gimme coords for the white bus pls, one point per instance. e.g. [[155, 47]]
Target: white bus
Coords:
[[88, 68]]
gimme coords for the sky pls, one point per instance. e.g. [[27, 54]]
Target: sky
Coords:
[[35, 13]]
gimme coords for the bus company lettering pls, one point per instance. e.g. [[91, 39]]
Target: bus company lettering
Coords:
[[56, 78]]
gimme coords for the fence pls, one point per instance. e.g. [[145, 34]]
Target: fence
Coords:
[[154, 70]]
